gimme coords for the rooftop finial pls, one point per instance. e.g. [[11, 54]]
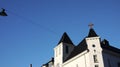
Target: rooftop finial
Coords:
[[91, 25]]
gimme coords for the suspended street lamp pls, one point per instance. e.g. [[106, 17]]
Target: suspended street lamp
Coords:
[[3, 13]]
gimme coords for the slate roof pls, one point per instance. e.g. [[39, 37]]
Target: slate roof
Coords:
[[105, 45], [92, 33], [47, 64], [82, 46], [65, 39]]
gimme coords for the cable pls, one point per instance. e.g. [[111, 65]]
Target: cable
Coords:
[[32, 22]]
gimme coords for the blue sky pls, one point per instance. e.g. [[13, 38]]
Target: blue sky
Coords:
[[34, 27]]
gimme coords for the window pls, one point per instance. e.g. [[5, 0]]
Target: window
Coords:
[[95, 58], [50, 64], [94, 50], [93, 45], [59, 50], [56, 52], [76, 65], [66, 49], [96, 66], [57, 65]]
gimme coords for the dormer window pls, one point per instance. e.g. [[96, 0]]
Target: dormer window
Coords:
[[66, 49]]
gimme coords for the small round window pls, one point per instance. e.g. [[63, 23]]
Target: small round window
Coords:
[[93, 45]]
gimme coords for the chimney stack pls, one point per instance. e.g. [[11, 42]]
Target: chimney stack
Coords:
[[30, 65]]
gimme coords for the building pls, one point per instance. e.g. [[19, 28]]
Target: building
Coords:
[[90, 52]]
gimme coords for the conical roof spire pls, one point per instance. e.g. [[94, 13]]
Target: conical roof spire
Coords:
[[65, 39], [92, 33]]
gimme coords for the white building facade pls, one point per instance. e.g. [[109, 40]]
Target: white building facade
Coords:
[[90, 52]]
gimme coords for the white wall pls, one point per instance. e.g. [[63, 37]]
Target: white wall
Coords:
[[78, 61], [60, 54], [95, 50]]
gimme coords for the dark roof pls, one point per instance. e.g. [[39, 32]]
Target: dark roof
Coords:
[[82, 46], [105, 45], [46, 64], [65, 39], [92, 33]]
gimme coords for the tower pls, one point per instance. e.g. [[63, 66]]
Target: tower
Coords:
[[62, 50], [95, 51]]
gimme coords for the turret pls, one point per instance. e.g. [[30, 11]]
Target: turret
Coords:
[[62, 50], [94, 46]]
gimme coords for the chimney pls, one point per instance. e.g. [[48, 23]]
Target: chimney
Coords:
[[30, 65]]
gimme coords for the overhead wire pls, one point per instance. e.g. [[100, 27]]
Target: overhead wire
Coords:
[[33, 22]]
